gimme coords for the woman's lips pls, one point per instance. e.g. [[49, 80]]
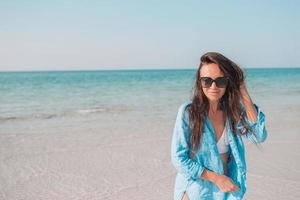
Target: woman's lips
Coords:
[[214, 93]]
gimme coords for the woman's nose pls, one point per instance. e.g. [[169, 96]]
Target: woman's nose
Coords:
[[213, 85]]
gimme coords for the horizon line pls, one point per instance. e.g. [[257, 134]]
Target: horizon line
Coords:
[[132, 69]]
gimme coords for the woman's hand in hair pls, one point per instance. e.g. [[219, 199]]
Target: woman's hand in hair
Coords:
[[247, 101], [243, 89]]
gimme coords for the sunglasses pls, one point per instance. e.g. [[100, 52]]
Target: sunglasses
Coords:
[[221, 82]]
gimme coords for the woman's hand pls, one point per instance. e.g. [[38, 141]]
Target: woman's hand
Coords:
[[226, 184], [249, 106], [243, 89]]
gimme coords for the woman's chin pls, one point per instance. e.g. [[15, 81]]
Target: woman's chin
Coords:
[[213, 98]]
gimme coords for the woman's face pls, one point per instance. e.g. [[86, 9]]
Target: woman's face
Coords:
[[212, 70]]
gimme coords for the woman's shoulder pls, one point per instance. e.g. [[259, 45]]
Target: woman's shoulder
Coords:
[[183, 107], [185, 104], [183, 112]]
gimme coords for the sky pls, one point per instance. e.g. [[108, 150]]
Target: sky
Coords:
[[124, 34]]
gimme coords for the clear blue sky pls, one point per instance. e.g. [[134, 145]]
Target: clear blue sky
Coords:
[[97, 34]]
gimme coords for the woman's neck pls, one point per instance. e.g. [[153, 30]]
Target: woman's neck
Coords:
[[214, 107]]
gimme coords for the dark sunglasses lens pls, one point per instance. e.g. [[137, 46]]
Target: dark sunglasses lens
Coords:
[[206, 82], [221, 82]]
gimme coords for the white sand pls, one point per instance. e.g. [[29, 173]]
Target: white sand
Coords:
[[127, 156]]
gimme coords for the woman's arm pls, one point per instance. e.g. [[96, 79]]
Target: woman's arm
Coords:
[[255, 117], [181, 160], [223, 182]]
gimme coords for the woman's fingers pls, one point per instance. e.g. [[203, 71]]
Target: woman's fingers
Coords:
[[234, 188], [226, 184]]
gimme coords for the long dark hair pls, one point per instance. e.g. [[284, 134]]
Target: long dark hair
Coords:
[[229, 103]]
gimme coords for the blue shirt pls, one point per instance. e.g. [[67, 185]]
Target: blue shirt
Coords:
[[207, 157]]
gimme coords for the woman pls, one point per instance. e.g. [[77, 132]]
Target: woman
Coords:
[[207, 148]]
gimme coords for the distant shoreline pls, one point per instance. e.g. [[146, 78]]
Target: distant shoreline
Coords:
[[130, 69]]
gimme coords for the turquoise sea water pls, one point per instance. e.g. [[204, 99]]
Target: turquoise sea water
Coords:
[[44, 95]]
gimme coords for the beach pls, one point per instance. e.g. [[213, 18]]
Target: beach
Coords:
[[107, 135]]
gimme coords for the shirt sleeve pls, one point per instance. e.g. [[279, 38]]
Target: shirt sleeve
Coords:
[[259, 134], [181, 160]]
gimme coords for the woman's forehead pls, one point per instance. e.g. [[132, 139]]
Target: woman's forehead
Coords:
[[210, 70]]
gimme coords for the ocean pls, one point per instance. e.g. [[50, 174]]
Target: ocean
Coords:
[[44, 95], [35, 101]]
